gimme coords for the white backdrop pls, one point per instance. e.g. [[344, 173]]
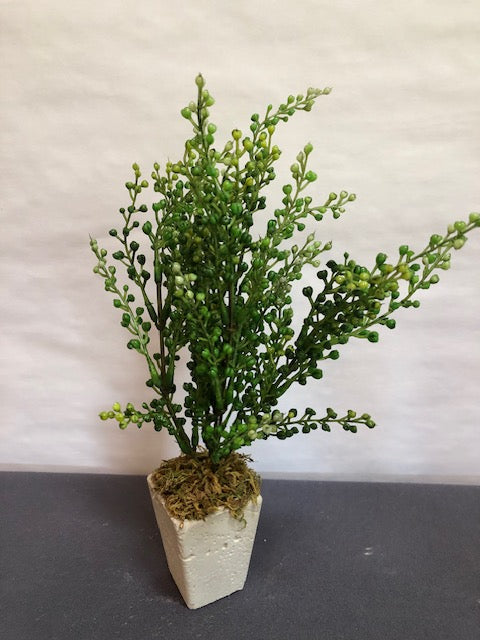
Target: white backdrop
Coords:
[[90, 87]]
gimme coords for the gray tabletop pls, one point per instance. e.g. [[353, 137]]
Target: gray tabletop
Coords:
[[81, 558]]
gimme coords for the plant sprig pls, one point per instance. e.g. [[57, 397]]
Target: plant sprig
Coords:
[[222, 300]]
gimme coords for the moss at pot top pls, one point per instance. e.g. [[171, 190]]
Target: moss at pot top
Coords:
[[192, 487]]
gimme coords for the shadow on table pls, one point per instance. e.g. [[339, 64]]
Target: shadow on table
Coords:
[[122, 504]]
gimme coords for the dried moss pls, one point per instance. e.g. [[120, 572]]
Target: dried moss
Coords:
[[192, 488]]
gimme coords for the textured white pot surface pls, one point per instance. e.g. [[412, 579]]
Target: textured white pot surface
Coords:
[[209, 558]]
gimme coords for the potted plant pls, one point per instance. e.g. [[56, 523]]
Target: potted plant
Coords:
[[203, 287]]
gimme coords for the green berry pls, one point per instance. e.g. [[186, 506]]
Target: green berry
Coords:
[[307, 291]]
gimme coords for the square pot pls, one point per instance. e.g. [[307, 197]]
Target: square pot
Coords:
[[208, 559]]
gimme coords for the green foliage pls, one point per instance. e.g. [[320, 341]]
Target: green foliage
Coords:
[[208, 290]]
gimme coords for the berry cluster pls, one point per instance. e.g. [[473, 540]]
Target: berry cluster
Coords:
[[222, 298]]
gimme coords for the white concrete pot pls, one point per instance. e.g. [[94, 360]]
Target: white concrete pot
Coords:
[[208, 559]]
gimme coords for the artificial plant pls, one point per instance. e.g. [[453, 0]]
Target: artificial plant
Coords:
[[205, 288]]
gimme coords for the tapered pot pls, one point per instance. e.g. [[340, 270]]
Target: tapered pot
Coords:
[[208, 559]]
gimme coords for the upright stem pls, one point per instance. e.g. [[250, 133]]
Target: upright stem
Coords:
[[158, 283]]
